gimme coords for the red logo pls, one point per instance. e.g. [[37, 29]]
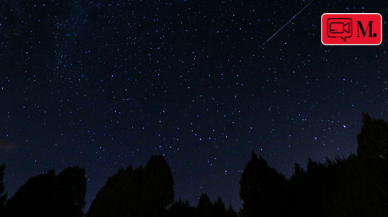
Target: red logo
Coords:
[[351, 29]]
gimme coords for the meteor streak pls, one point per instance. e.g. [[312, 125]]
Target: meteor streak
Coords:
[[288, 22]]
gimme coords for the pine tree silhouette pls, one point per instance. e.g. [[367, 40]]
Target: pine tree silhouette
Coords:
[[204, 206]]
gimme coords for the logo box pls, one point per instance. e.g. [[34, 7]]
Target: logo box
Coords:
[[351, 29]]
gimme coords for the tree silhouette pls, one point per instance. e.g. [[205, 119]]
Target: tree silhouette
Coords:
[[230, 212], [158, 190], [70, 192], [261, 189], [50, 195], [313, 188], [373, 138], [179, 208], [218, 208], [204, 206], [115, 197], [354, 187], [296, 191], [35, 198], [3, 195], [141, 192]]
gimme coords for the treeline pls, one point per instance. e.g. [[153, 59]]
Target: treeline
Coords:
[[353, 186], [47, 195], [141, 192]]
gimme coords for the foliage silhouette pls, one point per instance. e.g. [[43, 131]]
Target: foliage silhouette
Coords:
[[36, 197], [355, 186], [158, 191], [120, 195], [141, 192], [179, 208], [70, 193], [262, 189], [50, 195], [373, 138], [204, 208], [352, 186]]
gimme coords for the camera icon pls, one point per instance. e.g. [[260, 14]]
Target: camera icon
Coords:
[[339, 28]]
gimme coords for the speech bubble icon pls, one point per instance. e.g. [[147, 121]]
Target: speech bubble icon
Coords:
[[339, 28]]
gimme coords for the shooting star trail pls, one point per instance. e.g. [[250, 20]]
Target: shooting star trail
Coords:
[[287, 22]]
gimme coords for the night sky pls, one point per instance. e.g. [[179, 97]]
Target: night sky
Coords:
[[103, 85]]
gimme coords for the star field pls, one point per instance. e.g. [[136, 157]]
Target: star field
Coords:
[[104, 85]]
